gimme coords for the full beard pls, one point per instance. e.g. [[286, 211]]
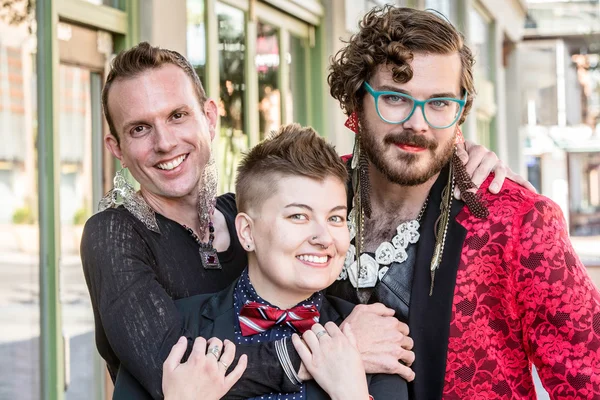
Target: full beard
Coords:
[[409, 175]]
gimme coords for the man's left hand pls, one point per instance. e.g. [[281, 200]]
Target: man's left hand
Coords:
[[382, 340], [481, 162]]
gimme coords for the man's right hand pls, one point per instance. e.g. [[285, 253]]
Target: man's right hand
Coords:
[[203, 375], [382, 340]]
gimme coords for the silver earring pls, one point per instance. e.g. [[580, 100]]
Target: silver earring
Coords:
[[124, 194], [207, 196]]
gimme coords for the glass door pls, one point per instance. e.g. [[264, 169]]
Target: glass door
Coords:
[[83, 57]]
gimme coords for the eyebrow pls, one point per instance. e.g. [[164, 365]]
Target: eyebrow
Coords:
[[388, 88], [309, 208]]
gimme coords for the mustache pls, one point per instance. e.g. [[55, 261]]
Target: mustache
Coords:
[[410, 138]]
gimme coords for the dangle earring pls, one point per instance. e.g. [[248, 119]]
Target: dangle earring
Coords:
[[207, 194], [124, 194], [207, 200], [363, 272]]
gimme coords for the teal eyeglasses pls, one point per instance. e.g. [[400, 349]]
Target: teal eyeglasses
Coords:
[[396, 108]]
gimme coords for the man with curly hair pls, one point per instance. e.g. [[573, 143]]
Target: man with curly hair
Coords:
[[488, 284]]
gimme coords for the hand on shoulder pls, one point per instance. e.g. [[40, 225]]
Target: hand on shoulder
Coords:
[[332, 359], [383, 340], [203, 375]]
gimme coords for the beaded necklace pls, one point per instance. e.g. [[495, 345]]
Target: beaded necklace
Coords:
[[208, 254], [364, 273], [365, 263]]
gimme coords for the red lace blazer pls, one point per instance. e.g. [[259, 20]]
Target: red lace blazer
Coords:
[[522, 297]]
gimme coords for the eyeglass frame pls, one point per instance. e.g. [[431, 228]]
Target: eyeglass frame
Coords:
[[416, 103]]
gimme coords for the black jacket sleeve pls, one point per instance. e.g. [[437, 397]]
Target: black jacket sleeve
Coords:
[[264, 373], [384, 387]]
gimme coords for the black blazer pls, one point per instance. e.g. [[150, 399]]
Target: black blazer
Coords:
[[214, 315]]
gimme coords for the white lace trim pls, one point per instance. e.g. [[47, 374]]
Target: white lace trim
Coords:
[[374, 269]]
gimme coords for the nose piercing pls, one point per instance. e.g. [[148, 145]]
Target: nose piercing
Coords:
[[314, 237]]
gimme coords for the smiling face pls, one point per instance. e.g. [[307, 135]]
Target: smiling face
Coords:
[[164, 133], [412, 152], [299, 238]]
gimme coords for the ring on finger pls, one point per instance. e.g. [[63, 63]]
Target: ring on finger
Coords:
[[224, 364], [321, 333], [215, 351]]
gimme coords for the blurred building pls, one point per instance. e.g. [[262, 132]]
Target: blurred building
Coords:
[[560, 106], [265, 61]]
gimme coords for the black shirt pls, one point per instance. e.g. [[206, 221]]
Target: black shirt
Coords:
[[134, 274]]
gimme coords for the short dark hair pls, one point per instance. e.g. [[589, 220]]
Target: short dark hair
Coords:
[[292, 151], [143, 57]]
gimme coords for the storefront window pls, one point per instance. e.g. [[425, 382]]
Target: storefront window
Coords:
[[267, 64], [232, 86], [19, 227], [260, 87]]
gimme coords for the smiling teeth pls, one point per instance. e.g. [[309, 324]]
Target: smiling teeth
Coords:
[[313, 259], [171, 164]]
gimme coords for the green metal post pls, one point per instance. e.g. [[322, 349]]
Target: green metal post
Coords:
[[318, 81], [97, 192], [251, 95], [52, 361], [283, 73], [132, 8]]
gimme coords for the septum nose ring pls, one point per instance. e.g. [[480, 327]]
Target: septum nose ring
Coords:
[[315, 238]]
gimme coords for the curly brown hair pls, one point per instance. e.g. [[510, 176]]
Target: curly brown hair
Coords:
[[390, 35]]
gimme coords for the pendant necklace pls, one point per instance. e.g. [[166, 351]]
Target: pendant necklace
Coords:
[[208, 254]]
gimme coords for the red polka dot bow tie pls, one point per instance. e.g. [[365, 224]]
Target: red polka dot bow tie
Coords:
[[256, 318]]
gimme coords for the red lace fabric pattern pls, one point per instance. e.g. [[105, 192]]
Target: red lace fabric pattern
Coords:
[[522, 296]]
